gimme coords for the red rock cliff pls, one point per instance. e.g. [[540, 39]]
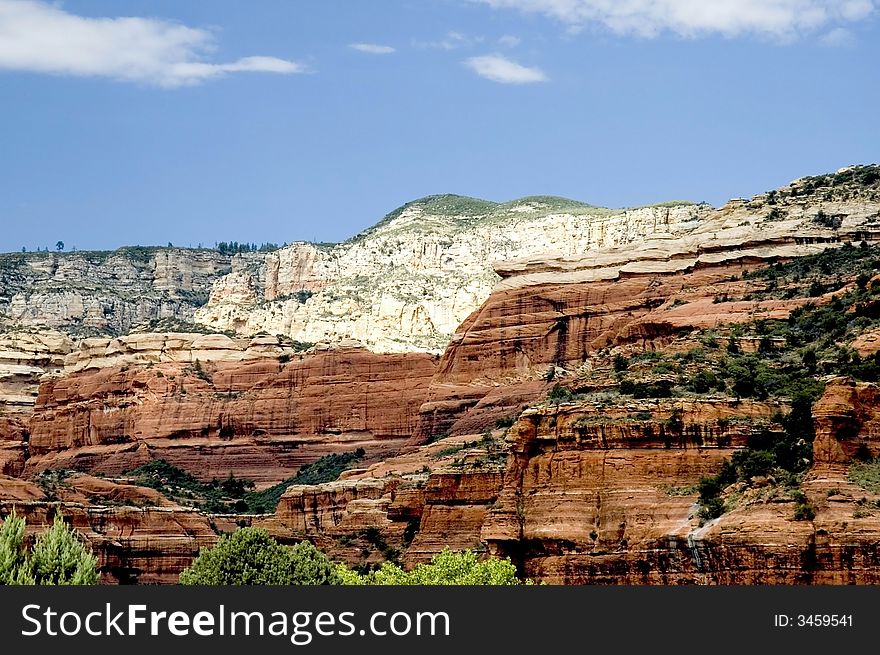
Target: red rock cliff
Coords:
[[259, 419]]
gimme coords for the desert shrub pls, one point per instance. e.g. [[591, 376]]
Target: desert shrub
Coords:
[[250, 556], [655, 389], [704, 381], [804, 511], [559, 394]]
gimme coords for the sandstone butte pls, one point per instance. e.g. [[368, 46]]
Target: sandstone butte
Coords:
[[464, 449]]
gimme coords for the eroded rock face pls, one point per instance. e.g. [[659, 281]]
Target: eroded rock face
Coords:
[[259, 417], [108, 292], [847, 423], [598, 490], [149, 545], [407, 283], [551, 311], [25, 356], [137, 535]]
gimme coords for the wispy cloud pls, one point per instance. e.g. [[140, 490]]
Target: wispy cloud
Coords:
[[839, 37], [509, 41], [784, 19], [499, 68], [451, 41], [40, 37], [373, 48]]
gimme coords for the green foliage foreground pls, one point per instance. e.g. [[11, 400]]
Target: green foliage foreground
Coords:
[[250, 556], [446, 568], [58, 556]]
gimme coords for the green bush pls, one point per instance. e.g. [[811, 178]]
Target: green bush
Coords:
[[58, 557], [752, 463], [250, 556], [559, 394], [804, 512], [711, 509], [446, 568], [704, 381], [656, 389]]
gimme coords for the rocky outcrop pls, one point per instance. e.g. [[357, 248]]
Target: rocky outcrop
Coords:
[[847, 423], [586, 488], [258, 411], [551, 312], [455, 510], [408, 282], [85, 293], [25, 356], [135, 533]]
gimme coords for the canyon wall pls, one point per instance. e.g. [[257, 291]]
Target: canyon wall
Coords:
[[214, 406], [518, 441], [91, 293], [407, 283]]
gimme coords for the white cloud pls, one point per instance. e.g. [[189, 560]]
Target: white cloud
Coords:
[[509, 41], [690, 18], [373, 48], [839, 37], [43, 38], [451, 41], [501, 69]]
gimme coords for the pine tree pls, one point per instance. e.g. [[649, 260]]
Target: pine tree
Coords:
[[13, 556], [59, 557]]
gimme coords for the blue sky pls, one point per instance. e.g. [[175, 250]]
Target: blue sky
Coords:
[[196, 122]]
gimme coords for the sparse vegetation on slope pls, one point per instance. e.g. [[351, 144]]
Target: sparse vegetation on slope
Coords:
[[235, 495]]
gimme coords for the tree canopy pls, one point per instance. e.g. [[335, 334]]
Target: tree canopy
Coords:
[[58, 556], [250, 556], [445, 568]]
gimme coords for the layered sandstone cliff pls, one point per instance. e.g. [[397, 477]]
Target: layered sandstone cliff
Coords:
[[213, 406], [407, 283], [550, 312], [585, 482], [602, 488]]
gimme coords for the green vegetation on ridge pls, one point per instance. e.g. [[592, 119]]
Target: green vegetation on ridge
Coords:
[[235, 495], [469, 210]]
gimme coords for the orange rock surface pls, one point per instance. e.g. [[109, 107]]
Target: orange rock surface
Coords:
[[136, 535], [259, 420]]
